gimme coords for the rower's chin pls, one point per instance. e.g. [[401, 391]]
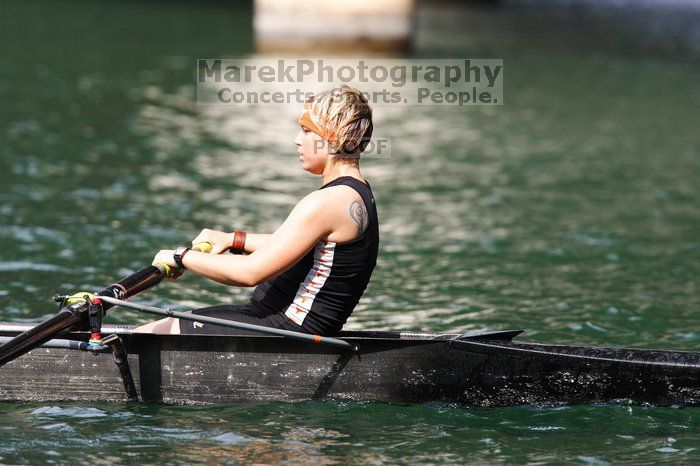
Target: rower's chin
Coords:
[[307, 167]]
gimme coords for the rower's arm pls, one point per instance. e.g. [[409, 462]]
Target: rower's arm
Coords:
[[308, 222], [221, 241], [253, 241]]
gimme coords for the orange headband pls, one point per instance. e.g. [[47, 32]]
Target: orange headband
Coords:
[[312, 120]]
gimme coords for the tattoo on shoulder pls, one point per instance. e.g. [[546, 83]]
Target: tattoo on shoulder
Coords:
[[358, 213]]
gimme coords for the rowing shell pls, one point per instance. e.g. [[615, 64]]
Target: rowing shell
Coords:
[[483, 369]]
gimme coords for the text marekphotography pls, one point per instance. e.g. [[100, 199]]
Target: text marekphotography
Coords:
[[284, 81]]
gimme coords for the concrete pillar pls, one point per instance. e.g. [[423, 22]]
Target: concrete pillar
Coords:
[[318, 27]]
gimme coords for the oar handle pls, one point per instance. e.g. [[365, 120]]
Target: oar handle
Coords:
[[199, 247], [202, 247]]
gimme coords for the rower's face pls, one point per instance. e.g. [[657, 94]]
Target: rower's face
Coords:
[[312, 149]]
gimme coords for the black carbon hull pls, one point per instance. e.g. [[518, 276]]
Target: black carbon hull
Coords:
[[482, 370]]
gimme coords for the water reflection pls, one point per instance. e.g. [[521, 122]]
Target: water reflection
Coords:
[[341, 432]]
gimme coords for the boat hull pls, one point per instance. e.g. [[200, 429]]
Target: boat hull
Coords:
[[390, 367]]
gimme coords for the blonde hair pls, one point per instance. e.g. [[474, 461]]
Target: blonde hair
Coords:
[[348, 112]]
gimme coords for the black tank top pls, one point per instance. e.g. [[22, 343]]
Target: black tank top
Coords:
[[321, 290]]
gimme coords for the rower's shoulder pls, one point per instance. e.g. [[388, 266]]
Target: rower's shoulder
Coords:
[[329, 205], [333, 194], [321, 201]]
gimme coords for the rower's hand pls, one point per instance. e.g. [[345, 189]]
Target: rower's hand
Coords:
[[220, 241], [165, 256]]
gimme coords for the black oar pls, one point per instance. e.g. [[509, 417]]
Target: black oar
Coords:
[[74, 316], [233, 324]]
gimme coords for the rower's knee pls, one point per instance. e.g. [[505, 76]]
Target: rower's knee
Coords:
[[169, 325]]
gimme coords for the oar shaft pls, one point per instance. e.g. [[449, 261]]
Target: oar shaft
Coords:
[[133, 285], [233, 324], [24, 342]]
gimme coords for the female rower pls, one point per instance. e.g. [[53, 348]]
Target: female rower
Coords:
[[311, 272]]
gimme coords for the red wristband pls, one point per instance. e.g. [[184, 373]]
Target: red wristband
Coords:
[[238, 243]]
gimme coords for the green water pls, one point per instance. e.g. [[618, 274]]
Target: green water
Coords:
[[571, 211]]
